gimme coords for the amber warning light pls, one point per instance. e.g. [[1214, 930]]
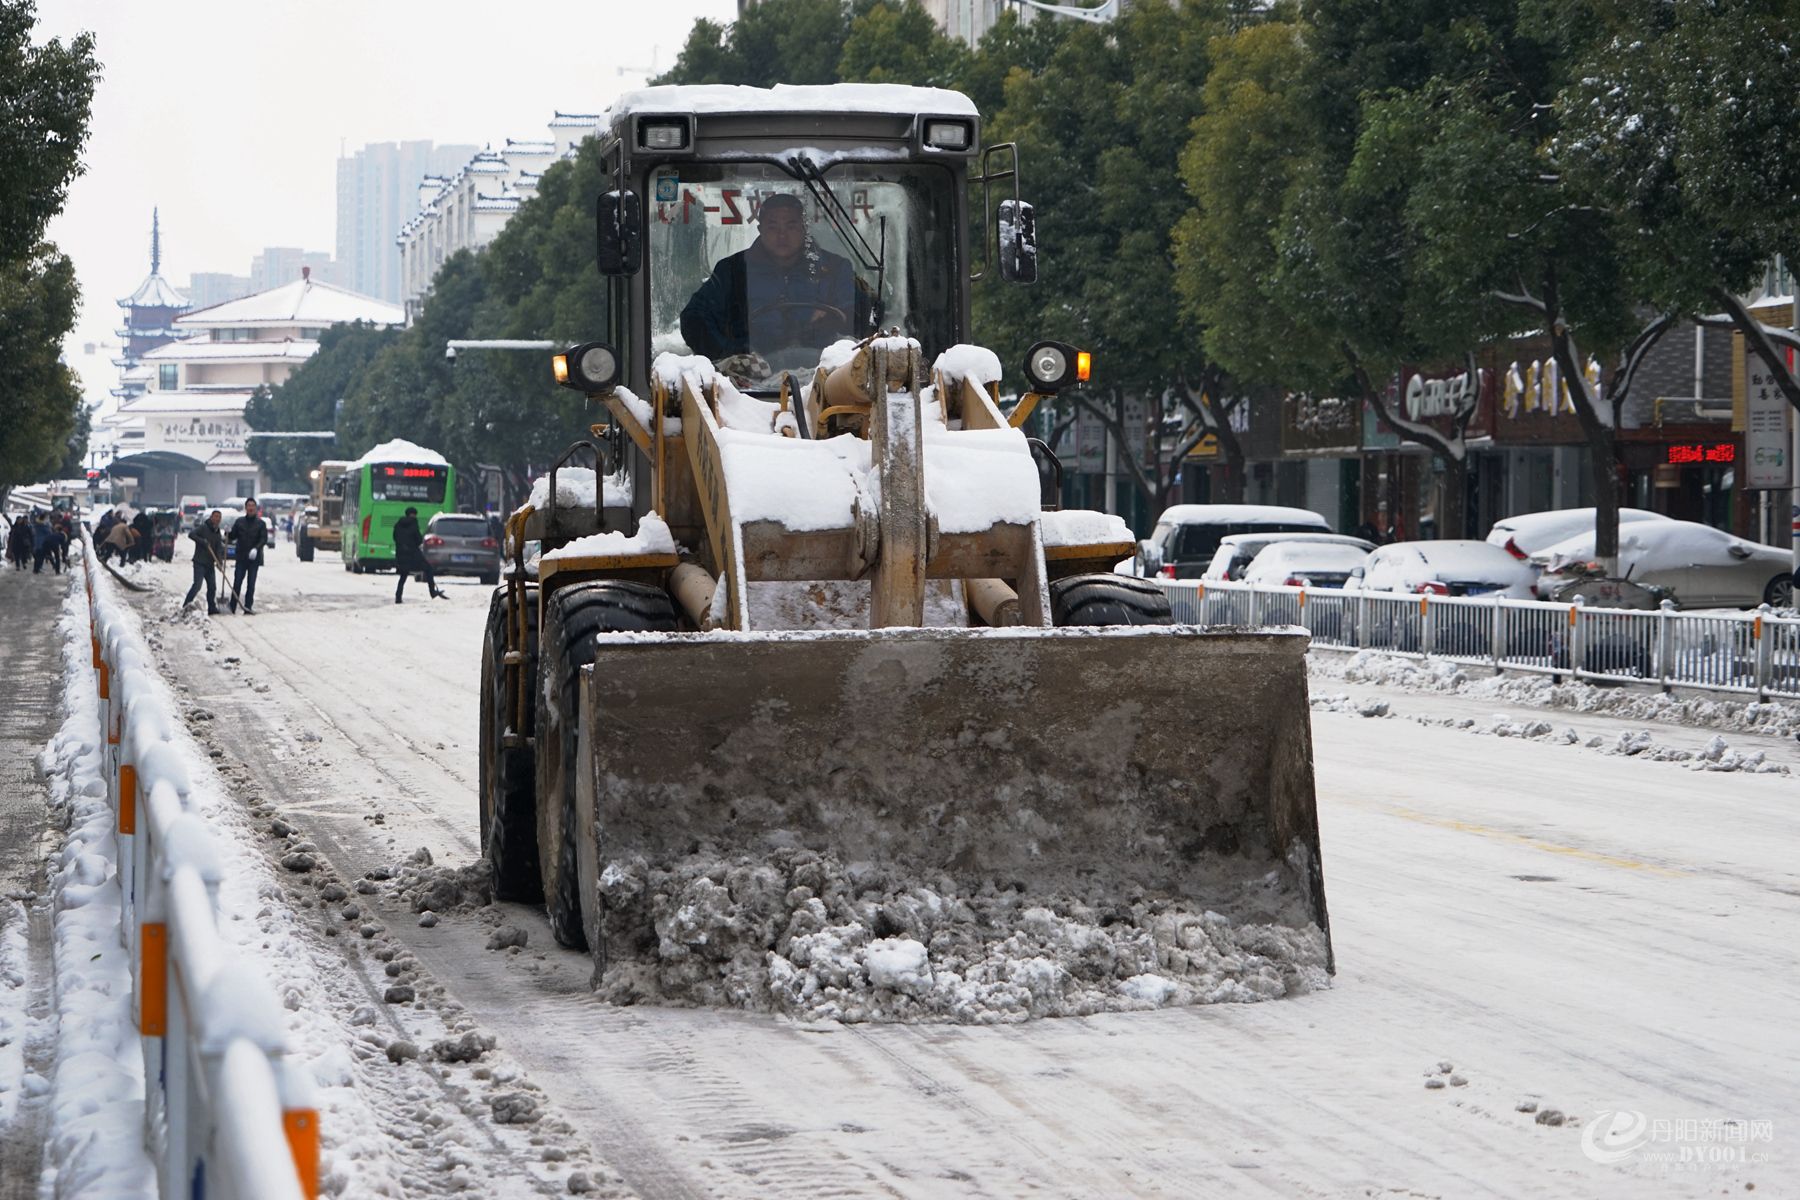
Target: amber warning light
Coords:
[[1084, 364]]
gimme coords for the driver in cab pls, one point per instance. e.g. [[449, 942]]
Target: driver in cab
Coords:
[[783, 291]]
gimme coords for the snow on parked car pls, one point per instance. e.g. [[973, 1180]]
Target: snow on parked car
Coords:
[[1236, 551], [1703, 566], [1448, 568], [1526, 534], [1308, 563], [1188, 535]]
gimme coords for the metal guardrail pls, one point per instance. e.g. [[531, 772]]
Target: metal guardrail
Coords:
[[1753, 653], [228, 1113]]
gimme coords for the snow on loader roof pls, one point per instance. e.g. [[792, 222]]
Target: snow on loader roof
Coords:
[[787, 98]]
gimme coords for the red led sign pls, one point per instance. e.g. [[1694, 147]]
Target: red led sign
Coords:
[[1695, 454], [410, 472]]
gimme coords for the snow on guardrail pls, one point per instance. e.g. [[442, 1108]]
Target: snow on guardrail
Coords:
[[227, 1111], [1752, 653]]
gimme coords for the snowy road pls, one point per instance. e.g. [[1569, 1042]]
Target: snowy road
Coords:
[[1591, 933]]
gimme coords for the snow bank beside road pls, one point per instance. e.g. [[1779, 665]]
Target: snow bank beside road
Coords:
[[1772, 718], [97, 1090]]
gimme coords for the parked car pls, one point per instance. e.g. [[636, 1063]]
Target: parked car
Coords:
[[1188, 535], [1446, 568], [1237, 551], [1307, 562], [1526, 534], [462, 544], [1704, 567]]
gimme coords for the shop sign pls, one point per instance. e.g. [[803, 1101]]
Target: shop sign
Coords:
[[1700, 454], [1315, 424], [1538, 387], [1766, 448], [1428, 399]]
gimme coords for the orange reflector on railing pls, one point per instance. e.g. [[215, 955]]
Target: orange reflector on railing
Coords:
[[153, 979], [104, 672], [302, 1128], [127, 798]]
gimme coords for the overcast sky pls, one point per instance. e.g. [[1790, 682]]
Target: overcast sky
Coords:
[[229, 116]]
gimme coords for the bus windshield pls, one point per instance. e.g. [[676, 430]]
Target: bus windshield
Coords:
[[759, 270]]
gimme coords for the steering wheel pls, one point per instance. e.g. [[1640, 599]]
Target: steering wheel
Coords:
[[810, 306]]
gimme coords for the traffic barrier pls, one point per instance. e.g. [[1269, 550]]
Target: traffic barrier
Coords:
[[228, 1113], [1752, 653]]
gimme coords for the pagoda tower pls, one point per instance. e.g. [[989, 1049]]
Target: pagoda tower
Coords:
[[150, 314]]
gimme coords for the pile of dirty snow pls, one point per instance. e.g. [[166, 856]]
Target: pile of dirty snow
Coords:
[[800, 933]]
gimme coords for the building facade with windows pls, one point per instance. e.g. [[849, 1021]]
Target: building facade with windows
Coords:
[[190, 433], [465, 209]]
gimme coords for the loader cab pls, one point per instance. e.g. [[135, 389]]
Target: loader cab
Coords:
[[758, 228]]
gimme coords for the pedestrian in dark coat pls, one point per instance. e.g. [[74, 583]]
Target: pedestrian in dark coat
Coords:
[[209, 552], [42, 538], [146, 536], [250, 534], [18, 543], [409, 554]]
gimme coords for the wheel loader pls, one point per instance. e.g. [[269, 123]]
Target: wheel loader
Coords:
[[808, 590]]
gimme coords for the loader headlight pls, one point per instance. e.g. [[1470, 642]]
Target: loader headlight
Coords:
[[590, 367], [1052, 366], [666, 134]]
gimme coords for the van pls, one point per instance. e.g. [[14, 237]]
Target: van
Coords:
[[192, 506], [1187, 535]]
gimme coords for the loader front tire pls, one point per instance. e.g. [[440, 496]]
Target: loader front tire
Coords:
[[572, 616], [508, 795], [1108, 600]]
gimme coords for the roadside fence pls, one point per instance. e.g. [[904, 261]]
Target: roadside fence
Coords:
[[228, 1113], [1753, 653]]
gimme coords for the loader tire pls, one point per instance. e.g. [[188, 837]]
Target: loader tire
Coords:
[[1108, 600], [508, 793], [572, 616], [305, 548]]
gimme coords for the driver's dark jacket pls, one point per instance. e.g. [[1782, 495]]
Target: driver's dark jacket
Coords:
[[717, 320]]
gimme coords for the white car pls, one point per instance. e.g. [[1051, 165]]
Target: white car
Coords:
[[1703, 566], [1308, 562], [1526, 534], [1238, 550], [1446, 568], [1188, 535]]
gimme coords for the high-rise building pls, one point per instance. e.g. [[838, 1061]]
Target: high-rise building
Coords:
[[378, 191], [279, 265], [207, 288]]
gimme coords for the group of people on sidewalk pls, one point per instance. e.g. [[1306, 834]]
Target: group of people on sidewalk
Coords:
[[249, 534], [40, 537]]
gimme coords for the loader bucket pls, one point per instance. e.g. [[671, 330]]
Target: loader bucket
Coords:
[[1143, 776]]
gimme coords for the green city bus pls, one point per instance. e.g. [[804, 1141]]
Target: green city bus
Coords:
[[379, 488]]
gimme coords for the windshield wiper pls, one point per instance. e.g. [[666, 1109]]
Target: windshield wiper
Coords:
[[871, 258]]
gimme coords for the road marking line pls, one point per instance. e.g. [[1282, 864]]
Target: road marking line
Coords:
[[1594, 856]]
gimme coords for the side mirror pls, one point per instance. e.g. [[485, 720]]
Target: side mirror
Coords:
[[1151, 553], [619, 249], [1016, 231]]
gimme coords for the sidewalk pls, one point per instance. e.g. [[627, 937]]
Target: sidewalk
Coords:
[[29, 688]]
